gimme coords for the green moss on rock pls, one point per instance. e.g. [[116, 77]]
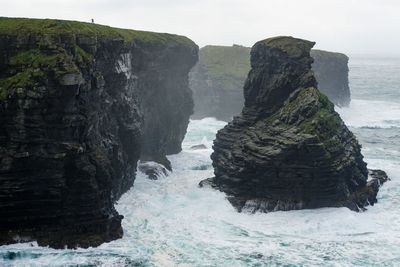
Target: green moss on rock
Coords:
[[323, 122], [83, 56], [34, 65]]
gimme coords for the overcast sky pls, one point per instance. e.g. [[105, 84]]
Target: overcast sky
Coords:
[[350, 26]]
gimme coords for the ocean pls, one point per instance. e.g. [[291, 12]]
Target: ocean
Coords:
[[172, 222]]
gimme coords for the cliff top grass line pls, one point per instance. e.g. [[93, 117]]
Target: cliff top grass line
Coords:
[[228, 61], [14, 26], [34, 61], [315, 53], [234, 61]]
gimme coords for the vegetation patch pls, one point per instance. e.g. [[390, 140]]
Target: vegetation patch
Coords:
[[14, 26], [325, 122], [226, 66], [83, 56], [33, 66]]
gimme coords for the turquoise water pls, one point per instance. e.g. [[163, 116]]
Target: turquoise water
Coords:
[[172, 222]]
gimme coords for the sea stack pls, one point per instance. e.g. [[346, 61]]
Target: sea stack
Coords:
[[217, 79], [289, 149]]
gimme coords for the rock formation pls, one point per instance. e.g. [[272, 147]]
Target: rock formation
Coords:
[[78, 103], [289, 149], [331, 71], [165, 97], [217, 79]]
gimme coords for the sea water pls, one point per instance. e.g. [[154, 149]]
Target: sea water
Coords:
[[173, 222]]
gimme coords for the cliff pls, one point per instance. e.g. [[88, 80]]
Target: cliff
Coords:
[[78, 105], [289, 149], [217, 79], [331, 71]]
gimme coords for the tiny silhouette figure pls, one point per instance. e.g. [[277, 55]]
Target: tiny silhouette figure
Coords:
[[92, 20]]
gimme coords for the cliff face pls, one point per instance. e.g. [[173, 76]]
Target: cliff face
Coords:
[[217, 81], [218, 78], [165, 98], [331, 71], [77, 102], [289, 149]]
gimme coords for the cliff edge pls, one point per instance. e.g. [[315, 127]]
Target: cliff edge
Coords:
[[217, 79], [77, 105], [331, 71]]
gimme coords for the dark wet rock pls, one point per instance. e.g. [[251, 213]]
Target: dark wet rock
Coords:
[[75, 104], [152, 169], [217, 79], [202, 167], [165, 98], [198, 147], [289, 149], [208, 183]]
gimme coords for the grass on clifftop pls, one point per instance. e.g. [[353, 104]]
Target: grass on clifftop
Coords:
[[14, 26], [233, 61], [328, 56]]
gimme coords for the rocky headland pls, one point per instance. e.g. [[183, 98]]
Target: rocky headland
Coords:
[[80, 104], [217, 79], [289, 149]]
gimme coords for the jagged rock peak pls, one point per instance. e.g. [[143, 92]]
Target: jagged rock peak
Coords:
[[289, 149], [273, 76]]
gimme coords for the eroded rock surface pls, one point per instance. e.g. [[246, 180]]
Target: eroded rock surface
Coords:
[[289, 149], [77, 105]]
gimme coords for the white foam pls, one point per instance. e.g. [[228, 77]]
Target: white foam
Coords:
[[173, 222], [372, 114]]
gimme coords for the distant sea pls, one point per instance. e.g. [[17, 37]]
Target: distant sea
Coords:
[[171, 222]]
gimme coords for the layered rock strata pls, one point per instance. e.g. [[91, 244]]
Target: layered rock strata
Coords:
[[289, 149], [77, 107], [217, 79]]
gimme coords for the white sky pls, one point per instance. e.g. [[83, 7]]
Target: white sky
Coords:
[[349, 26]]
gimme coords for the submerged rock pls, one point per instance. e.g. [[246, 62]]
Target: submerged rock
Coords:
[[198, 147], [76, 112], [289, 149], [152, 169], [217, 79]]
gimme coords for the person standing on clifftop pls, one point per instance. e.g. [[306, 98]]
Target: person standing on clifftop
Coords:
[[92, 20]]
